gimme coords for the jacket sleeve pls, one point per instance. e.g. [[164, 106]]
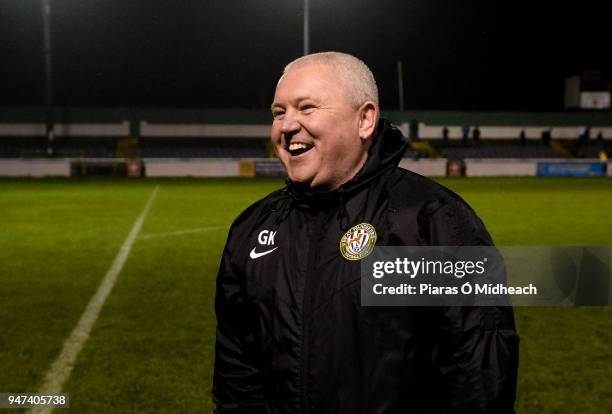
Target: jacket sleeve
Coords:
[[477, 347], [237, 384]]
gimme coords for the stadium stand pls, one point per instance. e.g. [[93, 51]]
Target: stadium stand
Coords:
[[88, 147], [457, 150], [22, 147], [172, 147], [207, 142], [31, 147], [105, 147], [590, 148]]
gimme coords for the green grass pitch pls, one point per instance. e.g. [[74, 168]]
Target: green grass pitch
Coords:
[[151, 349]]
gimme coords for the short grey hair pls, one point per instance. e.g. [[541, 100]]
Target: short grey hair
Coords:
[[357, 75]]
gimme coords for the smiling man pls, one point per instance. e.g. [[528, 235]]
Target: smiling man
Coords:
[[292, 336], [322, 125]]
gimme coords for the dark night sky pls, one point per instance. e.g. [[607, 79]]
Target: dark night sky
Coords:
[[457, 54]]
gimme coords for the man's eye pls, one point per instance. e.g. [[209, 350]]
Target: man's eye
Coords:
[[278, 114], [307, 108]]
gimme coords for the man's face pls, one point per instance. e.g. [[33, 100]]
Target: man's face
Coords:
[[316, 128]]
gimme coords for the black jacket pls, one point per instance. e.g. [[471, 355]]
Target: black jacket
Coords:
[[292, 336]]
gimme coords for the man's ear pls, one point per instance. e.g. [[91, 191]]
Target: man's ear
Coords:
[[368, 114]]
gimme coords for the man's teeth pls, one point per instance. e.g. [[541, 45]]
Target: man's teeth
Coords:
[[296, 146]]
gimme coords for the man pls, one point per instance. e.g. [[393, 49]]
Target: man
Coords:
[[292, 335]]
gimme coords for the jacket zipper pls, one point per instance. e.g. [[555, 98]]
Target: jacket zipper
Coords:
[[307, 307]]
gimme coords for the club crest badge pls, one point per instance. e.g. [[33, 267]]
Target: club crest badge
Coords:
[[358, 242]]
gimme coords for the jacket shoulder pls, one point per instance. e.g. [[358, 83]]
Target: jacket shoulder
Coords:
[[443, 217], [409, 187]]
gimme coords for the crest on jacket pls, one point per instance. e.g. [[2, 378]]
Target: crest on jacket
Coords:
[[358, 242]]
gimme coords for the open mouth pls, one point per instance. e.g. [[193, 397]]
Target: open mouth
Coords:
[[299, 148]]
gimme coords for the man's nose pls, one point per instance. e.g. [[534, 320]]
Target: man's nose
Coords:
[[290, 124]]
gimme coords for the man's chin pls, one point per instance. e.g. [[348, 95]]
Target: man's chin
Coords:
[[310, 185], [307, 181], [301, 182], [300, 176]]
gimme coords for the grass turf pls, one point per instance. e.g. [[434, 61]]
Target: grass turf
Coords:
[[152, 346]]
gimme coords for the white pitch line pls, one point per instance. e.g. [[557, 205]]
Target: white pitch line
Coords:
[[180, 232], [62, 366]]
